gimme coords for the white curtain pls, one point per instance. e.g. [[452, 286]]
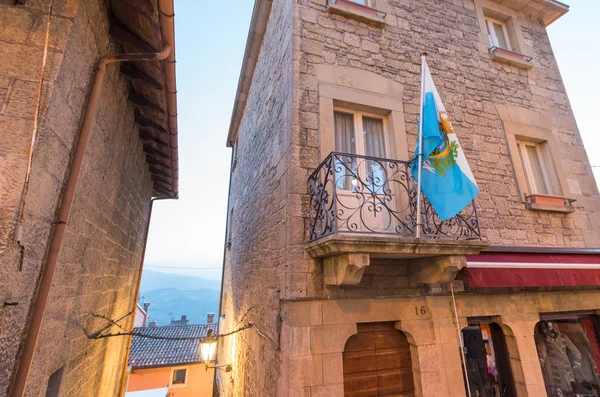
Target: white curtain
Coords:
[[345, 142]]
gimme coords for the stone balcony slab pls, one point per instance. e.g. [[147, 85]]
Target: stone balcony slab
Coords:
[[346, 256]]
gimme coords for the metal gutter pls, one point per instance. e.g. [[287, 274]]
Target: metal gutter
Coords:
[[258, 25], [167, 23]]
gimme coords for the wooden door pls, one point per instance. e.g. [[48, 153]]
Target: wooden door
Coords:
[[377, 362]]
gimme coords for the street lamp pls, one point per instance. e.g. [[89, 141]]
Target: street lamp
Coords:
[[208, 349]]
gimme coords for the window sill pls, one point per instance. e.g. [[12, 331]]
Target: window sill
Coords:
[[510, 57], [549, 203], [357, 11]]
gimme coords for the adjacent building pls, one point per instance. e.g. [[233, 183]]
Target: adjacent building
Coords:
[[141, 314], [321, 254], [88, 137], [164, 361]]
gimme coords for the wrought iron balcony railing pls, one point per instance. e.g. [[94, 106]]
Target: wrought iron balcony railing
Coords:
[[369, 195]]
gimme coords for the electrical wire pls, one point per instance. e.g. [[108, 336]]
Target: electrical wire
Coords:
[[187, 268], [143, 335]]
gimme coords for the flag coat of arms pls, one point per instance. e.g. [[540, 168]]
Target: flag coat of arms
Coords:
[[446, 179]]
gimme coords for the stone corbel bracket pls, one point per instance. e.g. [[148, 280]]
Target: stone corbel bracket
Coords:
[[346, 269], [437, 269], [345, 257]]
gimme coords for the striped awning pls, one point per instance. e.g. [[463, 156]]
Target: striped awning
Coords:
[[506, 269]]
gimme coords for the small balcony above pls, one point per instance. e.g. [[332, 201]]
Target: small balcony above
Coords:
[[366, 207]]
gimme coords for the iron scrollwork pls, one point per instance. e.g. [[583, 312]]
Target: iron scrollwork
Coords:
[[361, 194]]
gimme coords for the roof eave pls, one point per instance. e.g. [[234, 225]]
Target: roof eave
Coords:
[[258, 25]]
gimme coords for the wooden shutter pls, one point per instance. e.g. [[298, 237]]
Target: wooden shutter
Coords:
[[377, 362]]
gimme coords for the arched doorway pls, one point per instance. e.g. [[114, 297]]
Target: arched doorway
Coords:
[[377, 362], [486, 360]]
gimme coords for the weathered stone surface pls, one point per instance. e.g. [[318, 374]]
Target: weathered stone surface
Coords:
[[279, 142], [98, 266], [346, 269]]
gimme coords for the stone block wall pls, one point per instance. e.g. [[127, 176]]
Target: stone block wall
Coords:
[[98, 266], [279, 147], [258, 256], [472, 87]]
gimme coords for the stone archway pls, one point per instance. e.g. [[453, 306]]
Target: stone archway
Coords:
[[377, 362]]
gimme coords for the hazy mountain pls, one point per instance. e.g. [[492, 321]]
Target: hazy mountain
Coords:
[[172, 295], [152, 280], [170, 303]]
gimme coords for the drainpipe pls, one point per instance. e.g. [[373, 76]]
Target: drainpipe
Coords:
[[49, 268]]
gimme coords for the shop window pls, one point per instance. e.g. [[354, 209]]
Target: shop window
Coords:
[[487, 363], [569, 355], [377, 362]]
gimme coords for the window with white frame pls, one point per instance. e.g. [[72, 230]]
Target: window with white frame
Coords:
[[539, 170], [179, 377], [497, 33], [363, 134]]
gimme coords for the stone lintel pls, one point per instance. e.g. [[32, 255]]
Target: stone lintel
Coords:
[[439, 269], [345, 269]]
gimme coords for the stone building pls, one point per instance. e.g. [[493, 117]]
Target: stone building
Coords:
[[321, 255], [88, 139]]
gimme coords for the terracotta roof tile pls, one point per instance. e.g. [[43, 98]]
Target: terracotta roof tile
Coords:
[[148, 353]]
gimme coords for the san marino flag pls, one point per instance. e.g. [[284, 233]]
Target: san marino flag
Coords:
[[447, 180]]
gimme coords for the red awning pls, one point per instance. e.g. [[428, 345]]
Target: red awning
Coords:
[[533, 270]]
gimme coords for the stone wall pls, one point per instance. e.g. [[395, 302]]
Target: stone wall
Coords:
[[258, 257], [277, 151], [315, 333], [472, 87], [101, 251]]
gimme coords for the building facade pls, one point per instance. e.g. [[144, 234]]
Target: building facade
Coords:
[[172, 364], [87, 143], [141, 314], [321, 255]]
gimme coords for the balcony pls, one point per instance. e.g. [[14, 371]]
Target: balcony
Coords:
[[366, 207]]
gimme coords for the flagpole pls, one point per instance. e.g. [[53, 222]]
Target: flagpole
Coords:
[[420, 156]]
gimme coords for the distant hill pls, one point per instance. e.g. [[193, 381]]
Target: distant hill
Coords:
[[152, 280], [170, 303], [171, 295]]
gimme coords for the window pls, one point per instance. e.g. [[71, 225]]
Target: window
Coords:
[[54, 382], [539, 171], [229, 229], [569, 354], [497, 33], [370, 141], [179, 376]]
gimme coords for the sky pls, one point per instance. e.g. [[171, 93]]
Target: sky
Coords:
[[187, 235]]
